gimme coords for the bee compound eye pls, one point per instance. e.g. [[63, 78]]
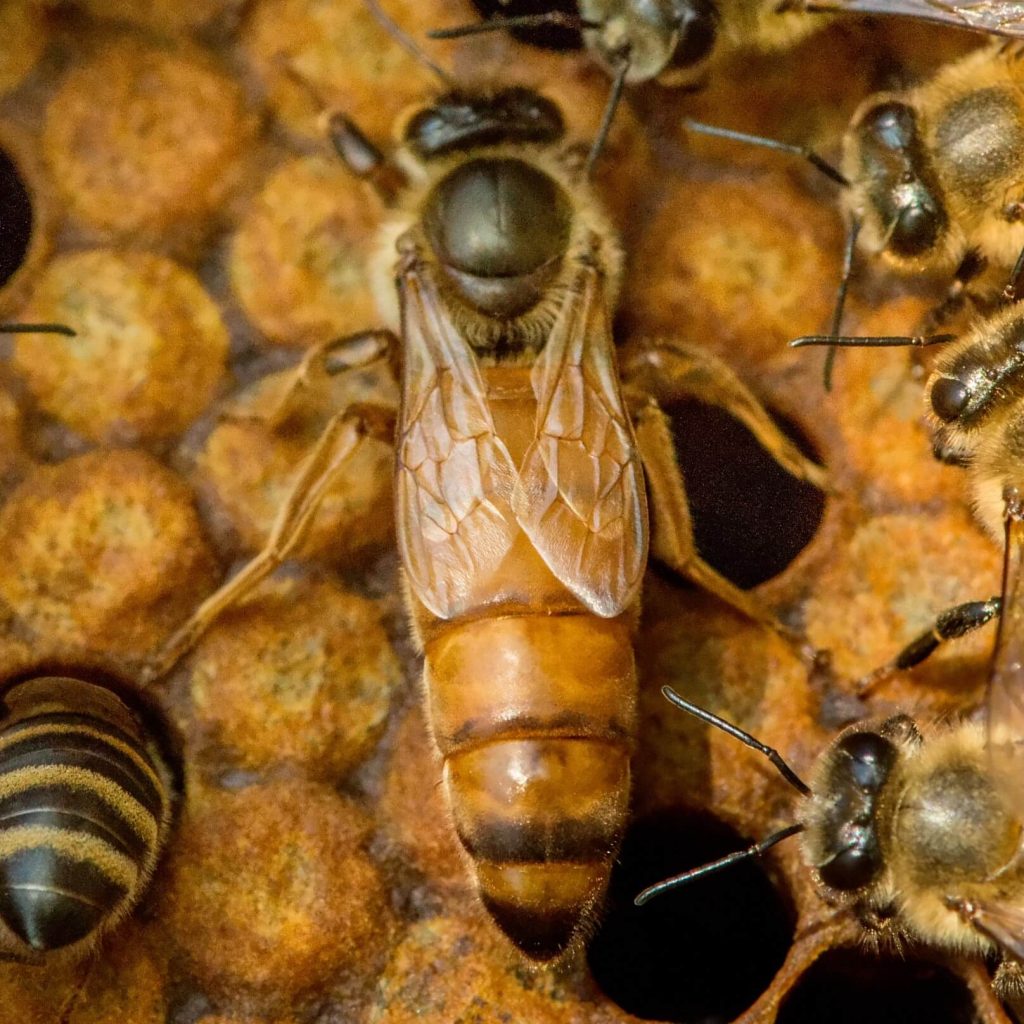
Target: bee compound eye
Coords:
[[698, 30], [851, 868], [917, 227], [949, 398]]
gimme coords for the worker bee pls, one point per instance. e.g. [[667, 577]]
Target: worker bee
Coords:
[[677, 41], [521, 507], [86, 793], [919, 833], [932, 177]]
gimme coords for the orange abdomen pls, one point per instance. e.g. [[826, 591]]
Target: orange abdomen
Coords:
[[534, 715]]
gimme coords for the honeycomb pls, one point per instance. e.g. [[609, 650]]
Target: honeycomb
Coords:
[[189, 220]]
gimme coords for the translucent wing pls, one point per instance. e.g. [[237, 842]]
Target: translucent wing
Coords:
[[1002, 923], [1005, 701], [998, 17], [580, 494], [454, 475]]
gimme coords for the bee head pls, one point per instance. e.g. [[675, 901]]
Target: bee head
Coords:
[[890, 163], [654, 36], [460, 122], [843, 835]]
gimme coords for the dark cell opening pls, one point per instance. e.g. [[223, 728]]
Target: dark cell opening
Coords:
[[701, 954], [549, 37], [15, 219], [750, 517], [847, 986]]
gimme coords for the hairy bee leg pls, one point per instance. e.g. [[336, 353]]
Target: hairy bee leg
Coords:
[[334, 447], [332, 358], [949, 625], [971, 266], [672, 540], [671, 370]]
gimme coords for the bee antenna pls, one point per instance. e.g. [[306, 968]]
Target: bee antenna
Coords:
[[37, 329], [556, 19], [759, 140], [872, 341], [609, 114], [409, 44], [844, 284], [676, 881], [744, 737]]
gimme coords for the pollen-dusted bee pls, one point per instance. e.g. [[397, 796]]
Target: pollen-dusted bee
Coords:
[[920, 835], [521, 513], [677, 41], [85, 808]]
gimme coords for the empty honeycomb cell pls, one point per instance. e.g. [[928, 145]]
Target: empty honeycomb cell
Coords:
[[24, 35], [246, 469], [675, 959], [300, 675], [104, 552], [312, 54], [146, 142], [269, 892], [26, 213], [850, 987], [126, 983], [298, 262], [455, 969], [751, 518], [149, 353]]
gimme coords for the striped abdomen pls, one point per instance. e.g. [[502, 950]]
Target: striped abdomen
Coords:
[[84, 810], [535, 716]]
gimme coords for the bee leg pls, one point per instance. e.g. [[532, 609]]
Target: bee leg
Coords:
[[671, 370], [971, 266], [950, 625], [332, 358], [339, 440], [672, 540]]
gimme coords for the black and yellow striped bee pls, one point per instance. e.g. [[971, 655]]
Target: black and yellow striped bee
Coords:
[[86, 795]]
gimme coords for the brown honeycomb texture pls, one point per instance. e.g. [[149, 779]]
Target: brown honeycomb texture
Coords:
[[189, 219]]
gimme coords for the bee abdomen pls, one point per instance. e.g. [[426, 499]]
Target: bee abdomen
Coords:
[[542, 819], [535, 717], [84, 804]]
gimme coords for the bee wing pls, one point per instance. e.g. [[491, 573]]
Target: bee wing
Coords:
[[1005, 700], [997, 17], [580, 493], [1002, 923], [454, 475]]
